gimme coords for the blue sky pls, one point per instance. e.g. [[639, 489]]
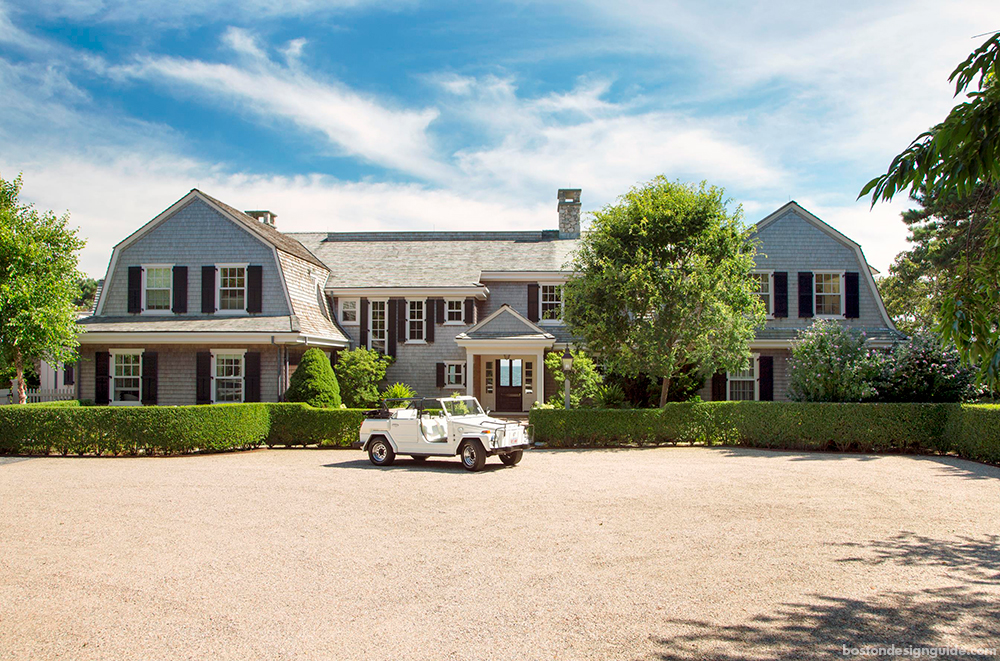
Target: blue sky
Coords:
[[418, 115]]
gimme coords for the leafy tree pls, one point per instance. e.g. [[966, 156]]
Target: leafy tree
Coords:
[[38, 285], [830, 363], [360, 371], [584, 380], [314, 382], [664, 283], [88, 289], [924, 370], [960, 157]]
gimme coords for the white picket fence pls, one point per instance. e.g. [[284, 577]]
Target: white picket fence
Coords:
[[36, 395]]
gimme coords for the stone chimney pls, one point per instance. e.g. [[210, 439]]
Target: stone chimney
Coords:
[[569, 213], [266, 217]]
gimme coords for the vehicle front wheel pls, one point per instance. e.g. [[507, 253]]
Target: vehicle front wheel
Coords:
[[473, 455], [380, 452], [512, 458]]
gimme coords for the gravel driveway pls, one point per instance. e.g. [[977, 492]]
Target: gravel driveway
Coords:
[[629, 554]]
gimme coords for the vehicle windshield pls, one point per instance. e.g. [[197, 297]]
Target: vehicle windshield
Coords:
[[456, 406]]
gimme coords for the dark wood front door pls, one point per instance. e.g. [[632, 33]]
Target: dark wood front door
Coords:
[[509, 380]]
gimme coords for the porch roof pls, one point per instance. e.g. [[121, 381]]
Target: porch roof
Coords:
[[506, 324]]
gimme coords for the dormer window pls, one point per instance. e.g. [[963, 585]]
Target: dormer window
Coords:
[[157, 288], [232, 288], [455, 313], [349, 311]]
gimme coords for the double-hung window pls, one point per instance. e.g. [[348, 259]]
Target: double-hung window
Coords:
[[764, 290], [829, 298], [454, 311], [377, 324], [742, 385], [415, 319], [551, 302], [349, 311], [233, 288], [228, 372], [157, 288], [126, 377], [454, 375]]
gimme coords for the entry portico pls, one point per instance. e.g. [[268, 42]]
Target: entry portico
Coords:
[[506, 355]]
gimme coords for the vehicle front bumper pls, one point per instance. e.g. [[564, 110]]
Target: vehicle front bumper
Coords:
[[507, 449]]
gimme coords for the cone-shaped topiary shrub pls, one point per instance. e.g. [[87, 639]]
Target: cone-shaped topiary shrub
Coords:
[[314, 382]]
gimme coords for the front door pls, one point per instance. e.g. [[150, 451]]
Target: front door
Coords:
[[509, 385]]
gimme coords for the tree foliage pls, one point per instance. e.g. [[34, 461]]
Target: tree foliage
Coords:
[[664, 283], [584, 380], [38, 284], [314, 381], [960, 157], [360, 371], [922, 369], [830, 363], [87, 290]]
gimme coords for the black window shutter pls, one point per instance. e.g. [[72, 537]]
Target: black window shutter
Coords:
[[363, 317], [469, 310], [134, 289], [719, 387], [805, 293], [391, 331], [780, 294], [180, 290], [251, 381], [68, 375], [400, 319], [150, 378], [203, 367], [255, 289], [207, 289], [102, 378], [441, 316], [430, 310], [765, 365], [533, 302], [852, 301], [440, 375]]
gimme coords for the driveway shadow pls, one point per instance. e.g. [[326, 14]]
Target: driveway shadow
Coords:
[[823, 628], [970, 559], [410, 465]]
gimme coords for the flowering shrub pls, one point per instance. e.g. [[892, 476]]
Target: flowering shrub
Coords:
[[830, 363], [924, 370]]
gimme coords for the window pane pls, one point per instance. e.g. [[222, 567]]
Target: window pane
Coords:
[[157, 299], [158, 278], [415, 311], [828, 293], [232, 280], [504, 372], [455, 311], [229, 390], [741, 390], [349, 311], [551, 301], [515, 372], [377, 326]]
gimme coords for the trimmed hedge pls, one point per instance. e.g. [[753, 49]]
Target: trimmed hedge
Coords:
[[161, 430], [301, 424], [971, 431]]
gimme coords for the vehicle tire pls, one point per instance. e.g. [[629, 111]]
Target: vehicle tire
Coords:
[[512, 458], [473, 455], [418, 458], [380, 452]]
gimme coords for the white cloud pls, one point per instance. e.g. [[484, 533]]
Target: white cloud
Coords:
[[356, 124], [157, 11]]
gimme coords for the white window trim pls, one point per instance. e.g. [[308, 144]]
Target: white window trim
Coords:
[[562, 304], [770, 289], [369, 317], [461, 306], [843, 295], [111, 373], [423, 301], [145, 269], [755, 361], [357, 311], [218, 290], [465, 373], [242, 353]]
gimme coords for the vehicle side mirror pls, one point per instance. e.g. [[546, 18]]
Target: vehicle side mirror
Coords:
[[488, 411]]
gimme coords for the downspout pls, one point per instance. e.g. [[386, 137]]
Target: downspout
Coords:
[[278, 384]]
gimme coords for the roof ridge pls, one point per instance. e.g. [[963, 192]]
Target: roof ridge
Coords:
[[532, 236]]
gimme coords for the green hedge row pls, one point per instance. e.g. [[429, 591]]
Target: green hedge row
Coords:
[[104, 430], [971, 431]]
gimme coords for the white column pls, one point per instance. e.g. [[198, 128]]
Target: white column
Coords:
[[470, 368], [540, 376]]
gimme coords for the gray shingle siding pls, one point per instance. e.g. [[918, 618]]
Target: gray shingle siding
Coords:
[[792, 244], [196, 236]]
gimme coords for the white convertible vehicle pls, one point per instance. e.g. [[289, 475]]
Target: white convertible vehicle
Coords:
[[440, 427]]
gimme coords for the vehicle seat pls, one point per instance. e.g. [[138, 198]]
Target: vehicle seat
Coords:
[[434, 430]]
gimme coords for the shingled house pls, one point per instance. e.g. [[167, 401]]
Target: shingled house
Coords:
[[206, 303]]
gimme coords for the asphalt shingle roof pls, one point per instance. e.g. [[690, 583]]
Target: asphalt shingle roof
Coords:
[[433, 259]]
